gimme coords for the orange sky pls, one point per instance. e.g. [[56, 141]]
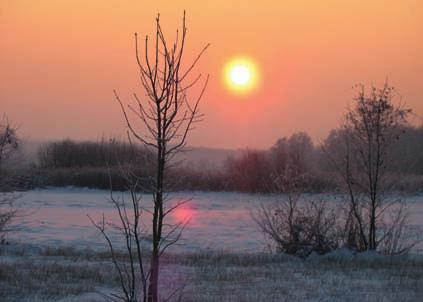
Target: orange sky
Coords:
[[60, 61]]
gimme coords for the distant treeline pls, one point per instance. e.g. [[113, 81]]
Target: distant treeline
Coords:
[[71, 154], [258, 171], [105, 163], [91, 164]]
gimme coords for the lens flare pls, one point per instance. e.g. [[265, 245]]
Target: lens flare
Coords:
[[183, 214]]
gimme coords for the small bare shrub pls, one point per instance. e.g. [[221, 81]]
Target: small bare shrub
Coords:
[[299, 229], [295, 225]]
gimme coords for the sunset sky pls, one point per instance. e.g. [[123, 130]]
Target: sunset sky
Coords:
[[61, 59]]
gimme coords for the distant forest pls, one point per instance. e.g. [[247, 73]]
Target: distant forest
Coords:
[[106, 163]]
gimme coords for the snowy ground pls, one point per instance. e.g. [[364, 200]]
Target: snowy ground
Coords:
[[57, 255], [69, 275], [218, 221], [60, 217]]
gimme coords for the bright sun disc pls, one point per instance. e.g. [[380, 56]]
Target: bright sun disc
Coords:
[[240, 75]]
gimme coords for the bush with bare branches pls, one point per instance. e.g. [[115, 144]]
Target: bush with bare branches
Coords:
[[296, 225]]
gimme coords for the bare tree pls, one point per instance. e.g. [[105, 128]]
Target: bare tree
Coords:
[[8, 144], [161, 120], [248, 172], [362, 159]]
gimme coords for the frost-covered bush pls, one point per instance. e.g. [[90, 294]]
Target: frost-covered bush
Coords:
[[299, 229]]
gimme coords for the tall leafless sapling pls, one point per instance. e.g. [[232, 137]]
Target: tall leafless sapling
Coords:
[[161, 120], [362, 159]]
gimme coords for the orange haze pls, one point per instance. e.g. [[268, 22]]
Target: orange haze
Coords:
[[60, 61]]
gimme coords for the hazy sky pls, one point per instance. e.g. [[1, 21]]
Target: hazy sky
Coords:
[[61, 59]]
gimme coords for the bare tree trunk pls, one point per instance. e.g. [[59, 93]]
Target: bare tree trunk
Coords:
[[372, 229], [157, 230]]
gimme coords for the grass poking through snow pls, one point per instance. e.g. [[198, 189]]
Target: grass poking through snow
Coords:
[[72, 275]]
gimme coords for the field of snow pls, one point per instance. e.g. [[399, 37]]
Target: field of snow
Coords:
[[70, 275], [218, 221], [57, 255]]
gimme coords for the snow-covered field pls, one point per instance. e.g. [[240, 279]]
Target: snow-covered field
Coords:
[[69, 275], [57, 255], [218, 221]]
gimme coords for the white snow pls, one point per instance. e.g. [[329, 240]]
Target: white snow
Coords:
[[218, 220]]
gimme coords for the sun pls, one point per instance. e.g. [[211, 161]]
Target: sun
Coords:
[[240, 75]]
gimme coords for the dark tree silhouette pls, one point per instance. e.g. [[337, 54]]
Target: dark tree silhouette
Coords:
[[161, 120], [363, 158]]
